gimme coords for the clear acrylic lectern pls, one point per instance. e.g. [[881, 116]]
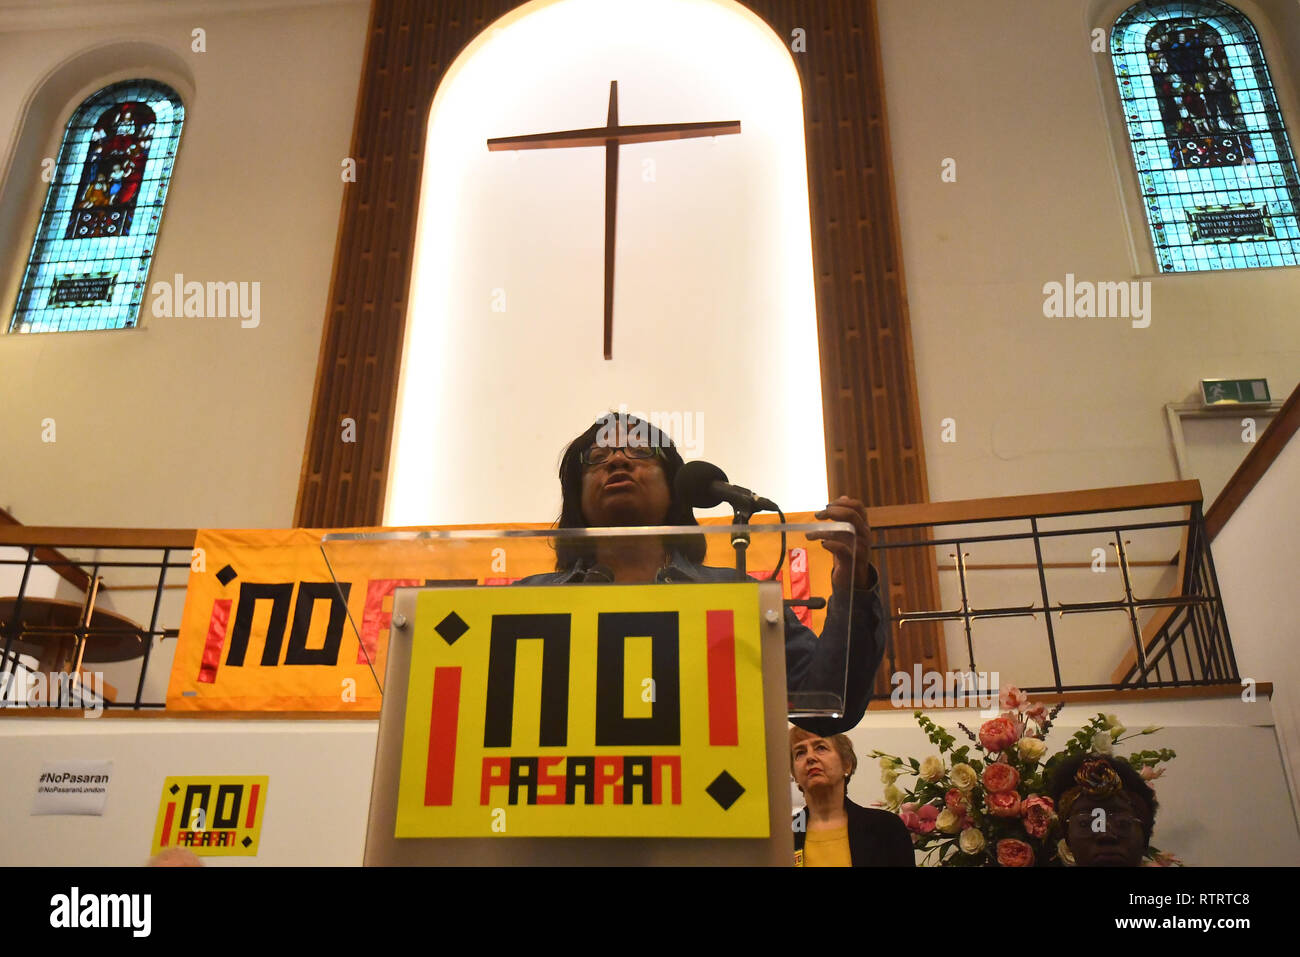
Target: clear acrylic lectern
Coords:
[[596, 696]]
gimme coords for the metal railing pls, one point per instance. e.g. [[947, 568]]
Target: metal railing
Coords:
[[71, 593], [1176, 639]]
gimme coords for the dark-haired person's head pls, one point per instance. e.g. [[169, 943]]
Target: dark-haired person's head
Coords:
[[620, 472], [1106, 810]]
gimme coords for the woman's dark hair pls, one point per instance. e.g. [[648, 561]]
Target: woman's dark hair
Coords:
[[618, 424], [1062, 779]]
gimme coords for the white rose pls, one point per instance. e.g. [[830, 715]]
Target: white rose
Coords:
[[888, 777], [932, 769], [971, 841], [1116, 732], [947, 822], [1112, 721], [893, 796], [963, 777], [1031, 749], [1101, 743]]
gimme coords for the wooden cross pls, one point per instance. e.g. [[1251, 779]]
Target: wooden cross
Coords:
[[611, 136]]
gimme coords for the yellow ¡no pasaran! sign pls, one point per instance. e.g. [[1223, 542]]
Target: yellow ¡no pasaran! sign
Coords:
[[211, 815], [585, 711]]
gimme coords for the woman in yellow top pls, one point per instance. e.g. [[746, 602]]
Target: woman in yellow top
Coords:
[[832, 831]]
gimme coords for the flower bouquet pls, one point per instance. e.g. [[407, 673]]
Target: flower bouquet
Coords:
[[986, 803]]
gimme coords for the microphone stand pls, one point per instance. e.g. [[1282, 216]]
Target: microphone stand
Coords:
[[740, 540]]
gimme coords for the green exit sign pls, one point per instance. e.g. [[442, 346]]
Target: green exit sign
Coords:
[[1235, 391]]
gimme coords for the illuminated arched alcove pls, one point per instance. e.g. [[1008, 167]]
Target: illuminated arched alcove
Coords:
[[715, 328]]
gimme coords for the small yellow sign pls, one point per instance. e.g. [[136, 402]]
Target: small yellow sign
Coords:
[[213, 816], [585, 711]]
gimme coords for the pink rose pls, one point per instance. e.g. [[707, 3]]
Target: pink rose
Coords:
[[1003, 804], [920, 821], [1038, 812], [999, 776], [998, 734], [955, 801], [1037, 713], [1012, 699], [1013, 853]]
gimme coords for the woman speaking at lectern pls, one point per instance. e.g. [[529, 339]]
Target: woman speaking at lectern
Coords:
[[621, 471]]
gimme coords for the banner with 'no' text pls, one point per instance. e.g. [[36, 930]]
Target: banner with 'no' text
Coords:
[[269, 625]]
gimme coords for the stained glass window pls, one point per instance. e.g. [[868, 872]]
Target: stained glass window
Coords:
[[1213, 159], [90, 260]]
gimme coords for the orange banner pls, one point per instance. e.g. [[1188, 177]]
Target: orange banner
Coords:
[[271, 625]]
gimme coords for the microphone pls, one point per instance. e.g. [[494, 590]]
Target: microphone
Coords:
[[704, 485]]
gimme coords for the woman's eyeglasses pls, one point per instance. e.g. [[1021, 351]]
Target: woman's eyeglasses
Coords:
[[599, 454]]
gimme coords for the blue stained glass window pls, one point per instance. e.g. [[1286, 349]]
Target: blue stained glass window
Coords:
[[90, 261], [1213, 159]]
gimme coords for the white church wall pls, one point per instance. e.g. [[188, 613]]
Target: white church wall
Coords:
[[1013, 93], [185, 422], [1256, 556]]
